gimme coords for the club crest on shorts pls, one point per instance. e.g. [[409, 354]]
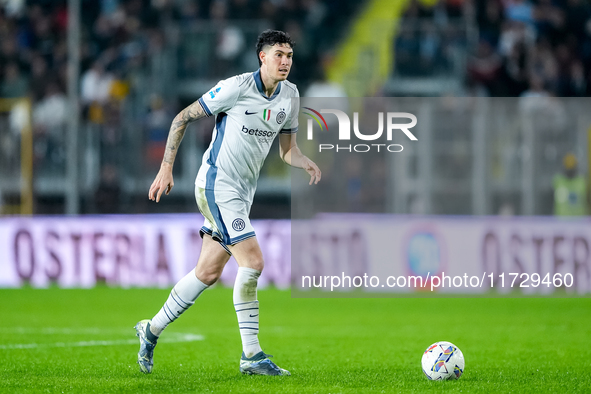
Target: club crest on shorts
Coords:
[[281, 117], [238, 224]]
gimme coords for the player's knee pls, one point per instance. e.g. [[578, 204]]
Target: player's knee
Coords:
[[212, 280], [208, 277], [257, 264]]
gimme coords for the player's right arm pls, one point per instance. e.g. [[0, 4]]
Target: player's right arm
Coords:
[[164, 181], [221, 98]]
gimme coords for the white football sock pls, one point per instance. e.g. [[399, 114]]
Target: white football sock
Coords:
[[247, 309], [181, 297]]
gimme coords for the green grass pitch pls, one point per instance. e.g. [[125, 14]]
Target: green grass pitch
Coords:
[[83, 341]]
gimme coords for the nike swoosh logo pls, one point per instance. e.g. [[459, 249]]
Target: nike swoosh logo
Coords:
[[254, 315], [249, 113]]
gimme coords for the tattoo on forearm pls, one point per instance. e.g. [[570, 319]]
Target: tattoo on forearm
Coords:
[[178, 127]]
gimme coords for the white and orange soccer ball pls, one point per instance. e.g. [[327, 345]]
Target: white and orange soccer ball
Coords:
[[443, 361]]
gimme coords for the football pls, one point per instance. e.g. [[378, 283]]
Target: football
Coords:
[[443, 361]]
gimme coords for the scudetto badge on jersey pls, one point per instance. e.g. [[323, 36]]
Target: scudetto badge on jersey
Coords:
[[213, 92]]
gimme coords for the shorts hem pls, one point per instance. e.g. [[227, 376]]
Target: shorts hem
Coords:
[[204, 230], [242, 237]]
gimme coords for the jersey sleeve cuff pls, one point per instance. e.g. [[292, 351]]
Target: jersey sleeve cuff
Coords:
[[205, 108], [289, 131]]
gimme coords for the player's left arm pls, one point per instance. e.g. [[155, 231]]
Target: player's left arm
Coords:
[[292, 155]]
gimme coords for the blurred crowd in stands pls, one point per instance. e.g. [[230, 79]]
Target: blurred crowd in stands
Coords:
[[532, 48], [519, 48], [118, 35], [119, 38], [429, 37], [524, 47]]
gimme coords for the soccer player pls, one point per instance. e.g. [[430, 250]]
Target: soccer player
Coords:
[[251, 110]]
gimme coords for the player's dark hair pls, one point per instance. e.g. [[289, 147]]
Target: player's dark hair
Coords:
[[272, 37]]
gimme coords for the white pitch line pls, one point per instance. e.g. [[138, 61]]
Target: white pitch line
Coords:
[[174, 338], [64, 331]]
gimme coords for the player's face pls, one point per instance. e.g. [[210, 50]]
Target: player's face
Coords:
[[278, 59]]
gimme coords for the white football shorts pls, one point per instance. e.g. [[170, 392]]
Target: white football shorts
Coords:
[[226, 216]]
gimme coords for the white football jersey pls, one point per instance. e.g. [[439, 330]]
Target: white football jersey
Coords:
[[246, 124]]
